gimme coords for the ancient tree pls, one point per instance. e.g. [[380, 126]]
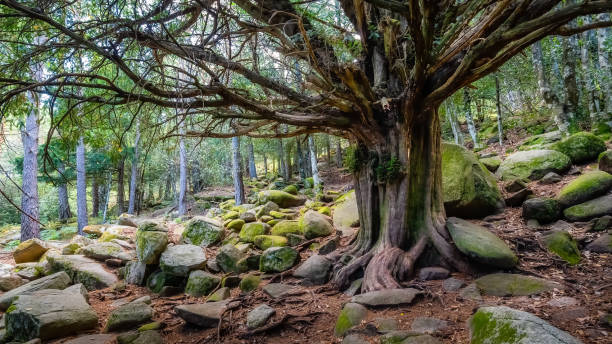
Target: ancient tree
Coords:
[[374, 73]]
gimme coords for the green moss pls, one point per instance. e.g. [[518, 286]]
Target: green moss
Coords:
[[249, 283], [487, 330], [201, 283], [266, 241], [388, 168], [277, 259], [285, 227], [343, 324], [588, 186], [502, 284], [11, 308], [533, 164], [594, 208], [292, 189], [250, 230], [150, 327], [230, 215], [564, 246], [581, 147], [236, 224], [201, 232], [325, 211]]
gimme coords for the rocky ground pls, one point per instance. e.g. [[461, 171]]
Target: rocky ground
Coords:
[[258, 273]]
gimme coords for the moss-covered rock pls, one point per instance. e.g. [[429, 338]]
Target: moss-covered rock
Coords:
[[266, 241], [325, 211], [106, 250], [83, 270], [230, 215], [202, 231], [30, 251], [181, 259], [292, 189], [588, 186], [469, 189], [501, 284], [278, 215], [265, 209], [504, 325], [227, 257], [159, 279], [249, 283], [345, 211], [201, 283], [545, 210], [227, 205], [533, 164], [491, 163], [581, 147], [277, 259], [281, 198], [351, 315], [480, 244], [128, 316], [605, 161], [314, 224], [285, 227], [150, 245], [591, 209], [250, 230], [236, 225], [152, 226], [563, 245]]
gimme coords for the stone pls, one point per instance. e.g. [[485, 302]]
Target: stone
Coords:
[[48, 314], [563, 301], [259, 316], [491, 163], [127, 220], [278, 215], [59, 280], [533, 164], [480, 245], [236, 225], [219, 295], [230, 281], [144, 337], [248, 216], [10, 281], [129, 316], [264, 242], [230, 215], [354, 338], [277, 290], [202, 231], [581, 147], [83, 270], [249, 283], [135, 272], [29, 251], [250, 230], [106, 250], [550, 178], [29, 271], [156, 325], [159, 280], [502, 324], [563, 245], [286, 227], [330, 246], [386, 297], [266, 209], [181, 259], [544, 210], [502, 284], [428, 325], [201, 283], [101, 338], [152, 226], [468, 188], [228, 257], [386, 324], [603, 244], [281, 198], [354, 288], [345, 214], [433, 273], [95, 230], [471, 292], [407, 337], [515, 185], [586, 187], [150, 245], [517, 198], [202, 314], [452, 284], [601, 224], [315, 270], [314, 224], [597, 207], [605, 161], [351, 315], [278, 259], [570, 314]]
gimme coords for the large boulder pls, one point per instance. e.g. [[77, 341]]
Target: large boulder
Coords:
[[202, 231], [135, 272], [469, 189], [277, 259], [502, 324], [283, 199], [544, 210], [581, 147], [588, 186], [48, 314], [59, 280], [591, 209], [314, 224], [29, 251], [345, 213], [150, 245], [479, 244], [533, 164], [250, 230], [605, 161], [83, 270], [501, 284], [181, 259], [107, 250]]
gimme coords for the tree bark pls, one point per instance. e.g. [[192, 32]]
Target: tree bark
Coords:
[[313, 164], [454, 124], [284, 170], [107, 197], [328, 151], [239, 194], [121, 186], [95, 198], [62, 195], [468, 116], [500, 128], [81, 186], [401, 209], [30, 227], [604, 65], [252, 168], [568, 61], [182, 172], [300, 159], [134, 172]]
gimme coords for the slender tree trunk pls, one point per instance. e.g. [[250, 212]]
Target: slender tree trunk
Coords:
[[328, 150], [500, 127], [196, 176], [604, 64], [265, 158], [450, 116], [134, 172], [569, 58], [300, 159], [62, 195], [469, 118], [313, 164], [109, 181], [401, 212], [284, 170], [81, 186], [30, 228], [95, 206], [239, 194], [339, 153], [587, 81], [252, 168], [121, 186], [182, 172]]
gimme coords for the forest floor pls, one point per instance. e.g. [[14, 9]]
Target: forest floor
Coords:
[[308, 313]]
